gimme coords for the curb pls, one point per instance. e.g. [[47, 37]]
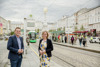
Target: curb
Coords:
[[91, 50]]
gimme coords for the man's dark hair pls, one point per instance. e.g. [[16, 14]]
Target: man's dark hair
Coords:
[[17, 28]]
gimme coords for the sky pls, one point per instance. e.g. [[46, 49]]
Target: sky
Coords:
[[17, 10]]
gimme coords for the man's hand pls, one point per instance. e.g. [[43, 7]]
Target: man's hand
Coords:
[[20, 51]]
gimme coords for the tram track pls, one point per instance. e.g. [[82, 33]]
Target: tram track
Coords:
[[69, 61]]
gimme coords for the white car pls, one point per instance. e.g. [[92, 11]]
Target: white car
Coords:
[[7, 37], [95, 40]]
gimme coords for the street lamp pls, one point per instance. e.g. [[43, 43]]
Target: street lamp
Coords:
[[67, 20], [45, 12], [57, 26], [25, 25]]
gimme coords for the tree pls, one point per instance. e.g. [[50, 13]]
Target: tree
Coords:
[[82, 28], [76, 28], [37, 30], [59, 29], [64, 29], [12, 33], [52, 30]]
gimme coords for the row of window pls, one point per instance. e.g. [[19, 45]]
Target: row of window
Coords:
[[95, 26]]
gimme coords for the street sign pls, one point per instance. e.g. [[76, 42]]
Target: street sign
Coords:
[[68, 30], [30, 24]]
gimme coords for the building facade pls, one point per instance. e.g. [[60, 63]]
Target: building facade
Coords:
[[5, 26], [14, 25], [82, 19], [94, 20]]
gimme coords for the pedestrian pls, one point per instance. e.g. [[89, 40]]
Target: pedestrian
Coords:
[[84, 40], [45, 48], [80, 40], [91, 39], [72, 40], [53, 37], [59, 37], [65, 39], [16, 48], [27, 40], [62, 38], [75, 39]]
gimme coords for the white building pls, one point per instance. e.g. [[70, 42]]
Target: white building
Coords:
[[67, 22], [94, 19], [62, 23], [14, 25], [52, 26], [82, 18], [5, 26], [70, 23], [39, 25]]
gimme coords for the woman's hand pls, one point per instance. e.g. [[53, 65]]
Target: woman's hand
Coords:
[[44, 51], [41, 52]]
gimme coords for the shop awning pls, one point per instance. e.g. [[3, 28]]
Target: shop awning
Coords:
[[77, 32], [80, 32]]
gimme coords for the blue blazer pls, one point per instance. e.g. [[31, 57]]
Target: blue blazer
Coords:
[[13, 47]]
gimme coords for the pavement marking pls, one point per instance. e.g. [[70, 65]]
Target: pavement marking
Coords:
[[37, 53], [34, 51]]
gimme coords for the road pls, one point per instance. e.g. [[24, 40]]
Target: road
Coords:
[[70, 57], [62, 56]]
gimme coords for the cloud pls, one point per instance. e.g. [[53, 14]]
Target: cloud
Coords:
[[17, 10]]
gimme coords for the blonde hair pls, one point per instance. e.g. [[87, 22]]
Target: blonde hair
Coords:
[[47, 34]]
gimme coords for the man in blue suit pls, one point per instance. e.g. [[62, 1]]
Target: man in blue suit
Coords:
[[16, 48]]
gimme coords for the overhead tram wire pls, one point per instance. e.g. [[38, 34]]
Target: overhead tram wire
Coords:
[[75, 9]]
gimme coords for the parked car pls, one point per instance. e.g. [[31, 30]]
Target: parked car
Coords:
[[1, 37], [7, 37], [95, 40]]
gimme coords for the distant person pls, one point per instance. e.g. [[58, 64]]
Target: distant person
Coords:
[[62, 38], [59, 37], [53, 37], [91, 38], [65, 39], [72, 40], [80, 40], [75, 39], [16, 48], [84, 41], [45, 48], [27, 40]]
